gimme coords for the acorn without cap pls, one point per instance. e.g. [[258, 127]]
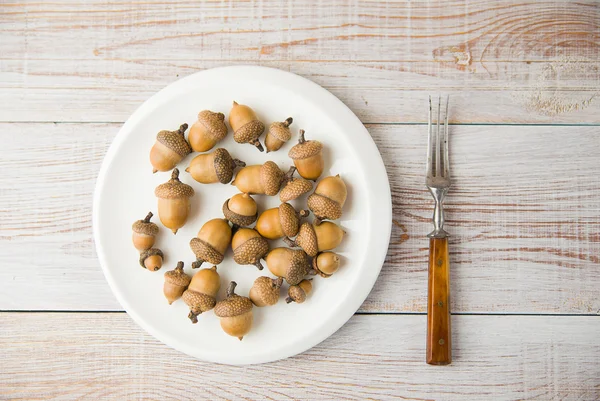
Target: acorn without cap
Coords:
[[326, 263], [201, 294], [291, 264], [170, 148], [207, 131], [241, 210], [263, 179], [211, 242], [174, 202], [328, 199], [317, 238], [235, 313], [278, 134], [298, 293], [176, 282], [144, 233], [151, 259], [294, 188], [265, 291], [246, 126], [308, 157], [249, 247], [217, 166], [278, 222]]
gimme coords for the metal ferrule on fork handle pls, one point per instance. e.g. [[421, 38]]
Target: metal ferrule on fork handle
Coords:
[[438, 213]]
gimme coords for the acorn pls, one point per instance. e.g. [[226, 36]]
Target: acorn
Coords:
[[176, 282], [174, 202], [211, 242], [328, 199], [317, 238], [282, 221], [265, 291], [326, 263], [235, 313], [241, 210], [170, 148], [217, 166], [298, 293], [294, 188], [249, 247], [201, 294], [207, 131], [291, 264], [262, 179], [245, 125], [308, 157], [144, 233], [151, 259], [278, 134]]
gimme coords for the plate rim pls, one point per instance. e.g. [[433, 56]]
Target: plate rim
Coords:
[[378, 177]]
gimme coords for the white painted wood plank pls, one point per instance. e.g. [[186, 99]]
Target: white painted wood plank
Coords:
[[529, 243], [511, 62], [106, 356]]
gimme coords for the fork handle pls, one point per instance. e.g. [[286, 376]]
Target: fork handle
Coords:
[[439, 344]]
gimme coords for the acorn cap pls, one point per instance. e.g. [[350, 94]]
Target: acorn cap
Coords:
[[145, 226], [238, 219], [296, 294], [150, 252], [295, 188], [233, 305], [280, 130], [305, 149], [175, 140], [174, 189], [268, 289], [298, 267], [214, 124], [198, 302], [289, 219], [307, 239], [323, 207], [251, 251], [224, 165], [205, 251], [249, 132], [178, 277], [271, 177]]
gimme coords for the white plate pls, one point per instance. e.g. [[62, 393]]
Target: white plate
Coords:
[[125, 193]]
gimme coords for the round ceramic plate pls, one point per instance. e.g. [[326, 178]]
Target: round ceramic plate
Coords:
[[125, 193]]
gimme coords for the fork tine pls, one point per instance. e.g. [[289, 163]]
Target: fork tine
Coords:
[[438, 161], [446, 164], [429, 143]]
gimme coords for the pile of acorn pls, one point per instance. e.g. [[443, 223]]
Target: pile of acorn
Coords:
[[249, 245]]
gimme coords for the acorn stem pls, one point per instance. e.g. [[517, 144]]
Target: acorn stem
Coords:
[[288, 121], [182, 129], [175, 174], [148, 217], [317, 221], [301, 136], [193, 316], [278, 282], [303, 213], [197, 263], [259, 265], [289, 242], [237, 163], [179, 266], [259, 146], [288, 176], [231, 289], [289, 300], [311, 272]]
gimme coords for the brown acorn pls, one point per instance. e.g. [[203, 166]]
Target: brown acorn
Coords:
[[201, 294], [245, 125], [308, 157], [262, 179], [241, 210], [174, 202], [235, 313], [328, 199], [207, 131], [176, 282], [265, 291], [294, 188], [170, 148], [211, 242], [217, 166], [291, 264], [278, 134], [144, 233], [326, 263], [282, 221], [298, 293], [317, 238], [249, 247], [151, 259]]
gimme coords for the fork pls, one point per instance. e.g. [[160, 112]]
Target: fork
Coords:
[[439, 344]]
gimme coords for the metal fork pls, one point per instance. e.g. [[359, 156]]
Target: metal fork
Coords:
[[439, 345]]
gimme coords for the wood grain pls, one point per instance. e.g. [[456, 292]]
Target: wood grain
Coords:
[[106, 356], [502, 61], [522, 214]]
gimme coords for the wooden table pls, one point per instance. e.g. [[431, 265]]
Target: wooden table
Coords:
[[524, 81]]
